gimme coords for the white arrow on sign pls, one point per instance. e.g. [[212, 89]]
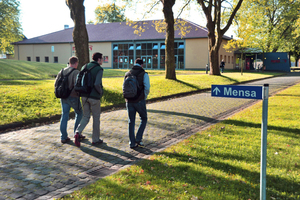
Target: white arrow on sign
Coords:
[[216, 90]]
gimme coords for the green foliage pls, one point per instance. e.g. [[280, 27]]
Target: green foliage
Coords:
[[222, 162], [10, 27], [110, 13], [269, 25]]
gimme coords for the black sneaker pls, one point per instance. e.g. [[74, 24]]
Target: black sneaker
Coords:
[[99, 142], [135, 146], [140, 144]]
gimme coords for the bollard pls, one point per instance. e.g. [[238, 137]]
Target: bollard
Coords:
[[206, 68]]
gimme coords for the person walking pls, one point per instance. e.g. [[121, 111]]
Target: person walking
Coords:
[[91, 102], [138, 104], [222, 65], [73, 101]]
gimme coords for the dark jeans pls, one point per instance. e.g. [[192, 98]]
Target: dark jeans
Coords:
[[132, 108]]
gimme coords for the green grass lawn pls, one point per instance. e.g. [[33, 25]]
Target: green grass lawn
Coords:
[[222, 162], [24, 100]]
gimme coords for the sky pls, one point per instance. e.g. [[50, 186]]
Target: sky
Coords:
[[40, 17]]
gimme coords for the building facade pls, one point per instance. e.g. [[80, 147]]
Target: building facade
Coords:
[[120, 46]]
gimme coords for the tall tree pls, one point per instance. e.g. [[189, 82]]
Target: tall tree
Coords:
[[212, 10], [110, 13], [169, 41], [10, 27], [80, 36]]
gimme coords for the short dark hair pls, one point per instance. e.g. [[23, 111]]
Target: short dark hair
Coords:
[[73, 60], [139, 61], [96, 56]]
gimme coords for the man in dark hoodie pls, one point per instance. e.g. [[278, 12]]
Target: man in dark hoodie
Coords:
[[91, 102], [138, 104]]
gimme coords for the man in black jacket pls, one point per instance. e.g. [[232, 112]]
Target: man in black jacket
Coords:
[[91, 102], [138, 104]]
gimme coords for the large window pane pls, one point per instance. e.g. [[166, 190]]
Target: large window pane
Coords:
[[149, 52], [149, 45]]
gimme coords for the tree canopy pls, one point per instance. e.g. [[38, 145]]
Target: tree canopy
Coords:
[[269, 24], [10, 27], [110, 13]]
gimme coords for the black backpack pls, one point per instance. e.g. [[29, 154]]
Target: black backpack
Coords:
[[84, 82], [131, 86], [62, 89]]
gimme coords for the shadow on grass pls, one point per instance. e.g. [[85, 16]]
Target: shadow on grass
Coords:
[[171, 181], [20, 82], [293, 131], [278, 184], [287, 95], [188, 84], [206, 119], [230, 79]]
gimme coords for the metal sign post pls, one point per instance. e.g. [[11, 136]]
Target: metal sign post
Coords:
[[264, 124], [251, 92]]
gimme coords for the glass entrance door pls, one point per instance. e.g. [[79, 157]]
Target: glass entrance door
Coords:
[[123, 62], [147, 62]]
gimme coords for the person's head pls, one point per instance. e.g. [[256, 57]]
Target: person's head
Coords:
[[73, 61], [139, 61], [97, 57]]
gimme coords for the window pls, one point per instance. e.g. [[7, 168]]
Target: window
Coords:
[[37, 59], [105, 59], [115, 47], [228, 59], [28, 58], [181, 46], [46, 59], [225, 59], [55, 59], [131, 47], [221, 57], [163, 46]]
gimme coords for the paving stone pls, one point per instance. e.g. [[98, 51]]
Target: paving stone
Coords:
[[41, 192]]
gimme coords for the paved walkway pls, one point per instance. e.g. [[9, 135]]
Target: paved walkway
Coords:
[[35, 165]]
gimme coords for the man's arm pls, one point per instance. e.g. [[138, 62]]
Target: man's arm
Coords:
[[146, 85], [98, 82]]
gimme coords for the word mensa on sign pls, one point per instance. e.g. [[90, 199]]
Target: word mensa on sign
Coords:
[[234, 91]]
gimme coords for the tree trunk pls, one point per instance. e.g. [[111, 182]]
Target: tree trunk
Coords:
[[214, 47], [80, 36], [170, 59], [214, 62]]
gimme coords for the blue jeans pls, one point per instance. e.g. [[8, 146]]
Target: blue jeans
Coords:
[[66, 104], [132, 108]]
